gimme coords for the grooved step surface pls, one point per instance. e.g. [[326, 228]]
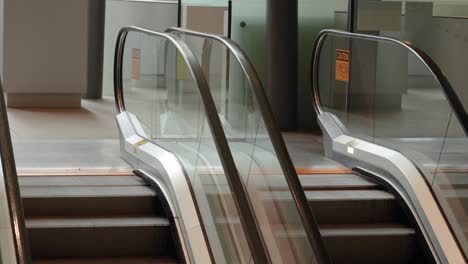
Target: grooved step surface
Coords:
[[57, 196], [81, 181], [365, 230], [373, 246], [333, 195], [123, 260], [86, 191], [358, 195], [95, 222], [95, 219], [456, 194], [308, 181], [355, 207], [335, 182], [363, 243], [376, 230], [91, 206], [453, 178], [114, 241]]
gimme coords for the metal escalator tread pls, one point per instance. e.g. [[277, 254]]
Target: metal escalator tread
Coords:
[[126, 260], [456, 194], [83, 181], [95, 222], [361, 222], [86, 195], [343, 230], [335, 182], [85, 191], [366, 230], [371, 243], [346, 195], [95, 219]]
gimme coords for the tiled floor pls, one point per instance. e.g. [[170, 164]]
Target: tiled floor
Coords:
[[87, 140], [306, 151], [95, 120], [67, 139], [68, 155]]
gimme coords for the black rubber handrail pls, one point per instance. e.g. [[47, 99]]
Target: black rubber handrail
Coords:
[[15, 203], [450, 93], [250, 226], [308, 220]]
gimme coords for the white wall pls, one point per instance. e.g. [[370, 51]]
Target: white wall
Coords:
[[119, 13], [45, 46]]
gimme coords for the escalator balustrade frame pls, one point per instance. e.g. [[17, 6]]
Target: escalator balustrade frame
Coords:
[[394, 168]]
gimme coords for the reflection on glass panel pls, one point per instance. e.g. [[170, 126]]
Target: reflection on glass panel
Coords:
[[383, 93], [253, 152], [314, 16], [249, 21], [384, 101], [436, 26], [451, 178], [439, 28], [165, 106]]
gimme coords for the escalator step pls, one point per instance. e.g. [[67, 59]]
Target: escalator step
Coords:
[[124, 260], [89, 200], [95, 222], [85, 191], [90, 206], [365, 230], [382, 243], [99, 236], [340, 207], [335, 182], [38, 181], [354, 207], [371, 244]]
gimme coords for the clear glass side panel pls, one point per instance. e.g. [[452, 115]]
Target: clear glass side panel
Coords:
[[382, 93], [451, 177], [253, 152], [7, 246], [165, 106]]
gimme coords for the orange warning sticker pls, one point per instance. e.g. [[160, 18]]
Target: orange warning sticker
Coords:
[[136, 62], [342, 65]]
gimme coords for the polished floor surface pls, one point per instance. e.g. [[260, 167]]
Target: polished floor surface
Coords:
[[95, 120], [86, 141], [67, 140]]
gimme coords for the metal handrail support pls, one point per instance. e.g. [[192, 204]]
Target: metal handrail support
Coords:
[[15, 204]]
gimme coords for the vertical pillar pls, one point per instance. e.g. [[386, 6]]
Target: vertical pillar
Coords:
[[96, 25], [352, 18], [45, 53], [282, 85]]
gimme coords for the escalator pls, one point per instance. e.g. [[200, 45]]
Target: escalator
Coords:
[[387, 111], [362, 222], [213, 181], [175, 131], [373, 213]]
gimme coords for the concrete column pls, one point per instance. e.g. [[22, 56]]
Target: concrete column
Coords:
[[282, 35], [96, 26], [46, 52]]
